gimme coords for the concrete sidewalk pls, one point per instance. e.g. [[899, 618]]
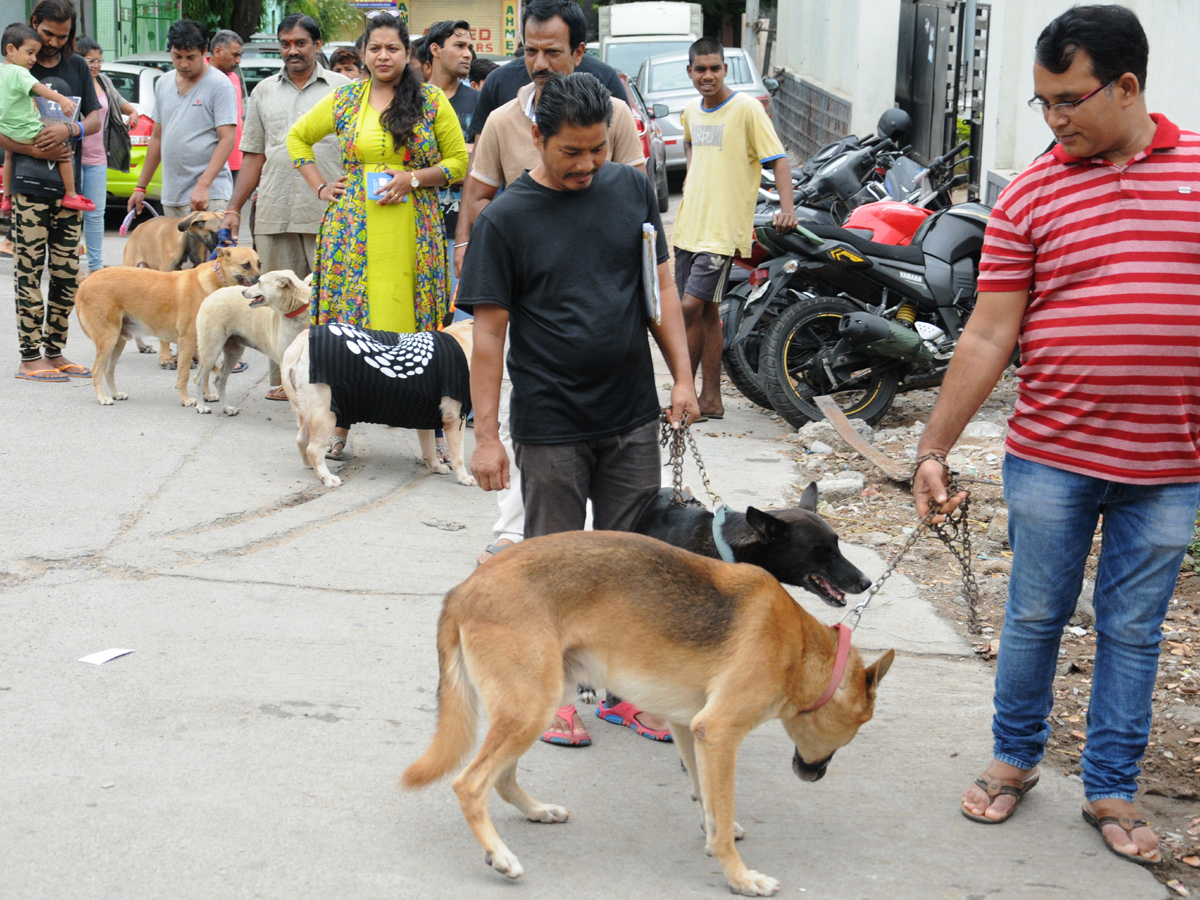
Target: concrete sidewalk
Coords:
[[285, 668]]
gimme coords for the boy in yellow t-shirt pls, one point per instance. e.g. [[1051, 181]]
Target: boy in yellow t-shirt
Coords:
[[727, 138]]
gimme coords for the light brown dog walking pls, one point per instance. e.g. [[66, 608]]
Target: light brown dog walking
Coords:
[[715, 649]]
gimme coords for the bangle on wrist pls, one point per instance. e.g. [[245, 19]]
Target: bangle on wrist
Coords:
[[140, 188], [463, 244], [231, 212], [321, 187]]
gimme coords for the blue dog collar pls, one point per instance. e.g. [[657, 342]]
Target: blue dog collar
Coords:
[[718, 531]]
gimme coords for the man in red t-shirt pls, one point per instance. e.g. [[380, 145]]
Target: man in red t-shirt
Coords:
[[1091, 262], [225, 54]]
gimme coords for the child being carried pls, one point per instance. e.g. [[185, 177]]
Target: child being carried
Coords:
[[19, 117]]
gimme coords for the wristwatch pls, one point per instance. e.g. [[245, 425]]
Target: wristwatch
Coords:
[[416, 182]]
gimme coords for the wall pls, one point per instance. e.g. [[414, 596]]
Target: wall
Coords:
[[487, 19], [847, 49], [1014, 135]]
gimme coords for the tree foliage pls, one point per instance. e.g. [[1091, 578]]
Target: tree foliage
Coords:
[[334, 16], [244, 16]]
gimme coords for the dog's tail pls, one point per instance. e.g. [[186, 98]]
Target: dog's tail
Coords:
[[457, 709]]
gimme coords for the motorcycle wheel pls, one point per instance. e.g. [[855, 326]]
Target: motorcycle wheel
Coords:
[[786, 364], [741, 360]]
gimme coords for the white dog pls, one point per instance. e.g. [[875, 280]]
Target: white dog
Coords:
[[266, 316], [404, 380]]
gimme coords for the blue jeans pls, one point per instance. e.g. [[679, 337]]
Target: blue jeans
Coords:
[[95, 188], [1052, 517]]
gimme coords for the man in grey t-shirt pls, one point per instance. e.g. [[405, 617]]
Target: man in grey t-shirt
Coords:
[[196, 111]]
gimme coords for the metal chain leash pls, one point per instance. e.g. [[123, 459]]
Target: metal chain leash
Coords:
[[953, 532], [676, 441]]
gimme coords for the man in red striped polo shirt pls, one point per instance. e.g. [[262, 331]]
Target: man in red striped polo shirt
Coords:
[[1092, 262]]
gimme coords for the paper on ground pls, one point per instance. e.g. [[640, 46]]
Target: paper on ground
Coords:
[[99, 659]]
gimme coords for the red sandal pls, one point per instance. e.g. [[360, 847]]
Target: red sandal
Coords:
[[625, 713], [575, 735]]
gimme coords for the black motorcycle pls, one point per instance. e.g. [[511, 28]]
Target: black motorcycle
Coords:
[[758, 290], [864, 320]]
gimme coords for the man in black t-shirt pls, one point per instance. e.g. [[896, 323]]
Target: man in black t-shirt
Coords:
[[41, 225], [558, 257]]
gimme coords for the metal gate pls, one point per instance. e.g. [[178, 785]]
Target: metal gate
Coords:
[[941, 67]]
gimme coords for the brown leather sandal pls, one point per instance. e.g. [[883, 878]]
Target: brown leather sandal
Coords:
[[1013, 787], [1128, 824]]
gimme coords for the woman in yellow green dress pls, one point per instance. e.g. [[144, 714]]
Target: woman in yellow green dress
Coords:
[[382, 263]]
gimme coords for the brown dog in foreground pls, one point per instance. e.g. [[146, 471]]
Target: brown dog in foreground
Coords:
[[165, 244], [716, 649], [118, 302]]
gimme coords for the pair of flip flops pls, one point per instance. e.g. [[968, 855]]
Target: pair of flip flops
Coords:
[[58, 373], [1018, 788]]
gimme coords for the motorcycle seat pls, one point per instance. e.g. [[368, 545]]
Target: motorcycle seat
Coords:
[[912, 255]]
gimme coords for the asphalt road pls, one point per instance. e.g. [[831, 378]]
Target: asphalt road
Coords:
[[283, 675]]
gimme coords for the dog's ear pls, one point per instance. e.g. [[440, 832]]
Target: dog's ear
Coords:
[[808, 500], [772, 529], [878, 669], [308, 279], [187, 221]]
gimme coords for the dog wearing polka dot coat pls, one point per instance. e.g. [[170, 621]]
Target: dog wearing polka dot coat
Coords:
[[338, 375]]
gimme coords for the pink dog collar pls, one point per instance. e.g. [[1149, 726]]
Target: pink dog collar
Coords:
[[839, 666]]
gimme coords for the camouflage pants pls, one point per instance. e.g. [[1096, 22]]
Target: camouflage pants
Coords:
[[38, 225]]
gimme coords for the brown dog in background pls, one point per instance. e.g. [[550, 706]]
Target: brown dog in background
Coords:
[[715, 649], [118, 302], [165, 243]]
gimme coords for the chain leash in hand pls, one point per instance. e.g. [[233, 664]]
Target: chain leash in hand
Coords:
[[954, 532], [676, 441]]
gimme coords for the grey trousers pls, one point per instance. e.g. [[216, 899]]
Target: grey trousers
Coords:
[[619, 474]]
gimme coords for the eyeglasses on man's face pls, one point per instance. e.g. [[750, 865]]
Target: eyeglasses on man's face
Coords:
[[1067, 107]]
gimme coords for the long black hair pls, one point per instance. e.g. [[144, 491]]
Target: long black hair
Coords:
[[407, 103]]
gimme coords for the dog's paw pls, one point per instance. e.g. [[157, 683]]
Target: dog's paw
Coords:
[[587, 696], [467, 480], [232, 410], [168, 364], [331, 481], [120, 395], [188, 401], [504, 861], [212, 398], [548, 813], [439, 468], [142, 348], [105, 401], [202, 409], [754, 884]]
